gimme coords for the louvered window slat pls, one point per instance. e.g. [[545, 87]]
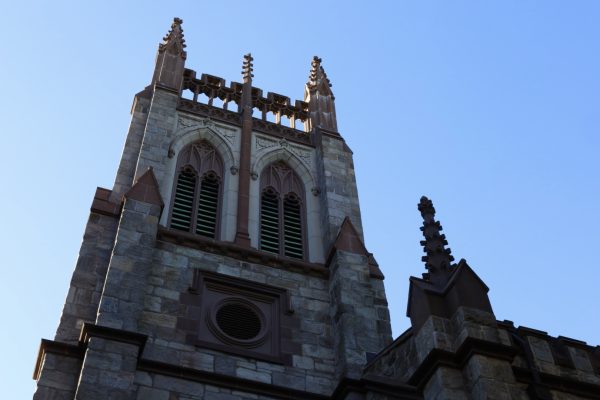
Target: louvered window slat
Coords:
[[269, 227], [197, 190], [208, 202], [183, 202], [292, 233]]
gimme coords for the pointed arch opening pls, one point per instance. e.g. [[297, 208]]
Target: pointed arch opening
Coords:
[[282, 211], [197, 190]]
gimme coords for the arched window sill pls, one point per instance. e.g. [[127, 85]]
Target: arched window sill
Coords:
[[250, 255]]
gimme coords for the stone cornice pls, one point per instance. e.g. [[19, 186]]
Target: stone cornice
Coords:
[[245, 254]]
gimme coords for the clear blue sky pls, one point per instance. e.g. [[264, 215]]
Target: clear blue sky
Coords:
[[490, 108]]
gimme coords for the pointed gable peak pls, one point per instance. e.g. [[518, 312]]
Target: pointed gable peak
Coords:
[[173, 40], [438, 260], [349, 240], [146, 190]]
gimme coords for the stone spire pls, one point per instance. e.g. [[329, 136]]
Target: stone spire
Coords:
[[320, 98], [170, 59], [438, 260]]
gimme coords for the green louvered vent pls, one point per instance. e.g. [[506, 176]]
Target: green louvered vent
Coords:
[[292, 228], [181, 218], [208, 202], [269, 222]]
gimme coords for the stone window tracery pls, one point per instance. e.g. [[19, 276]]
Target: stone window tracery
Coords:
[[282, 215], [197, 190]]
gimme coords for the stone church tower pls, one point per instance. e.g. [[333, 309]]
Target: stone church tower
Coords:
[[228, 262]]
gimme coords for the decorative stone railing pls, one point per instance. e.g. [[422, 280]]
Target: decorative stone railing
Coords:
[[219, 99]]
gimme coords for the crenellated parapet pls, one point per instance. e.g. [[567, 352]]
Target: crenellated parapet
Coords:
[[222, 101]]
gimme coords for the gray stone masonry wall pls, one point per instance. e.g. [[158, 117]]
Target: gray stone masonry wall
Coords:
[[159, 387], [359, 313], [123, 296], [87, 281], [133, 142], [578, 355], [58, 378], [313, 363], [158, 134], [482, 377], [108, 371], [339, 195]]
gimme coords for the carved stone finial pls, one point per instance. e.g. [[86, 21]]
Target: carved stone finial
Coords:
[[170, 60], [317, 78], [174, 37], [247, 68], [438, 260], [320, 98]]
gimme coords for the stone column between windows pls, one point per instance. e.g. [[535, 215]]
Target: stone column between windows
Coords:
[[242, 236]]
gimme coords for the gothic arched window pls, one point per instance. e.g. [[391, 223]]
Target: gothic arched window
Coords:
[[282, 223], [197, 189]]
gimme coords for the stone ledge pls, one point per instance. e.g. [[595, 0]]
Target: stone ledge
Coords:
[[391, 389], [558, 383], [58, 348], [471, 346], [118, 335], [227, 381], [102, 205], [245, 254], [346, 386]]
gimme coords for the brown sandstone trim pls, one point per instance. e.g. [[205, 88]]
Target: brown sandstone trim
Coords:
[[102, 205], [470, 347], [246, 254]]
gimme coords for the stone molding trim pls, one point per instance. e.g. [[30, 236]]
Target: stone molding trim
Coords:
[[209, 291], [470, 346], [190, 130], [89, 330], [246, 254], [268, 151], [146, 190], [233, 117], [102, 204], [392, 389], [349, 240], [58, 348], [563, 384], [230, 382]]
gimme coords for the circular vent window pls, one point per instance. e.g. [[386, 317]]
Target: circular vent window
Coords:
[[238, 321]]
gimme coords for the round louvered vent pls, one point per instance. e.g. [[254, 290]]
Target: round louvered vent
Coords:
[[238, 321]]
